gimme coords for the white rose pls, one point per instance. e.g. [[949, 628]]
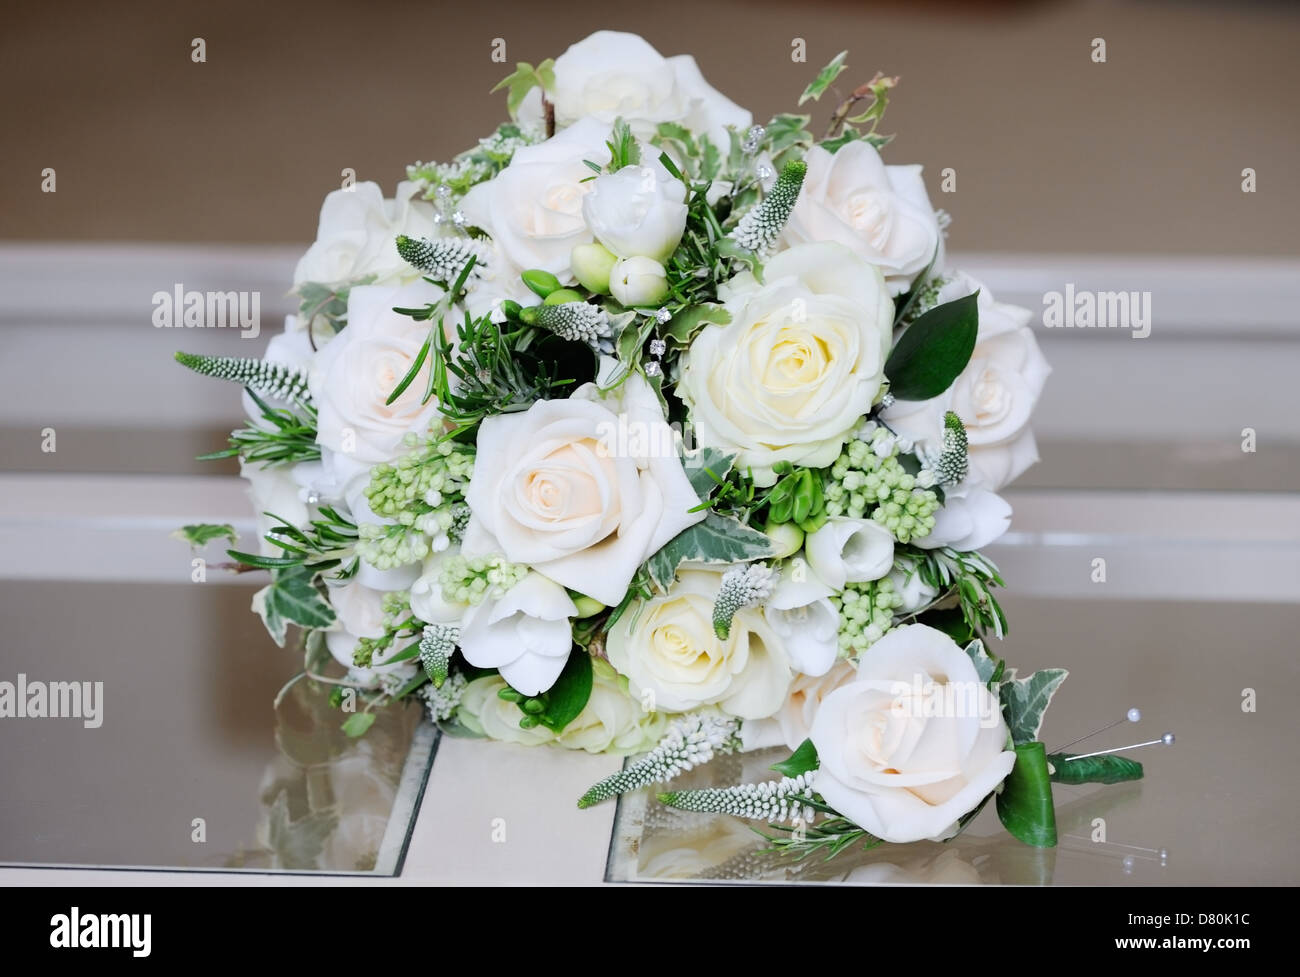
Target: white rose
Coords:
[[524, 633], [483, 711], [612, 74], [357, 236], [638, 282], [790, 377], [612, 721], [848, 550], [638, 211], [355, 373], [273, 490], [801, 614], [670, 650], [533, 208], [970, 519], [881, 212], [360, 613], [890, 768], [556, 487], [806, 694], [994, 396]]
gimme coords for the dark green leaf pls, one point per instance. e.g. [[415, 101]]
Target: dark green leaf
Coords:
[[1110, 769], [933, 350], [566, 699], [706, 468], [682, 327], [1025, 804], [801, 761]]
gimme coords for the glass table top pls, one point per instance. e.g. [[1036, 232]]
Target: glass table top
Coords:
[[194, 763], [196, 766]]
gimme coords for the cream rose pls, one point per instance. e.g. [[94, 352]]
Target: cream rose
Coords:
[[994, 396], [357, 236], [670, 651], [533, 208], [356, 372], [899, 773], [612, 74], [556, 487], [484, 712], [612, 721], [881, 212], [798, 366]]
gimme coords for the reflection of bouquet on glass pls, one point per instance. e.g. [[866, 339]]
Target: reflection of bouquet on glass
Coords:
[[638, 423]]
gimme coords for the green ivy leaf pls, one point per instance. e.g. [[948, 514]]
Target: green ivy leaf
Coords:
[[1110, 769], [1025, 700], [357, 724], [523, 80], [1025, 803], [801, 761], [718, 539], [933, 350], [705, 468], [201, 534], [291, 597], [987, 667], [817, 87], [682, 327], [566, 699]]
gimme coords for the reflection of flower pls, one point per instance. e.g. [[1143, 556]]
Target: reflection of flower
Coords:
[[327, 799]]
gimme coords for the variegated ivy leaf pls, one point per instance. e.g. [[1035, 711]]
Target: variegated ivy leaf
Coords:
[[291, 597], [1025, 701], [718, 539], [987, 667], [817, 87], [705, 468]]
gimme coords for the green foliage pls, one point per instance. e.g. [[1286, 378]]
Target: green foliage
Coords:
[[716, 540], [1025, 802], [523, 80], [201, 534], [283, 438], [1025, 701], [325, 543], [934, 350], [706, 468], [1065, 768], [988, 667], [291, 598], [624, 150], [564, 701], [317, 300], [970, 576], [818, 86], [801, 761], [358, 723], [797, 497]]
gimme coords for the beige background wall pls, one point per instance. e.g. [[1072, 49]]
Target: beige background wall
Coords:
[[1053, 152]]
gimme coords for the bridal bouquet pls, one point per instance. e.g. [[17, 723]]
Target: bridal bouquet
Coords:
[[640, 428]]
